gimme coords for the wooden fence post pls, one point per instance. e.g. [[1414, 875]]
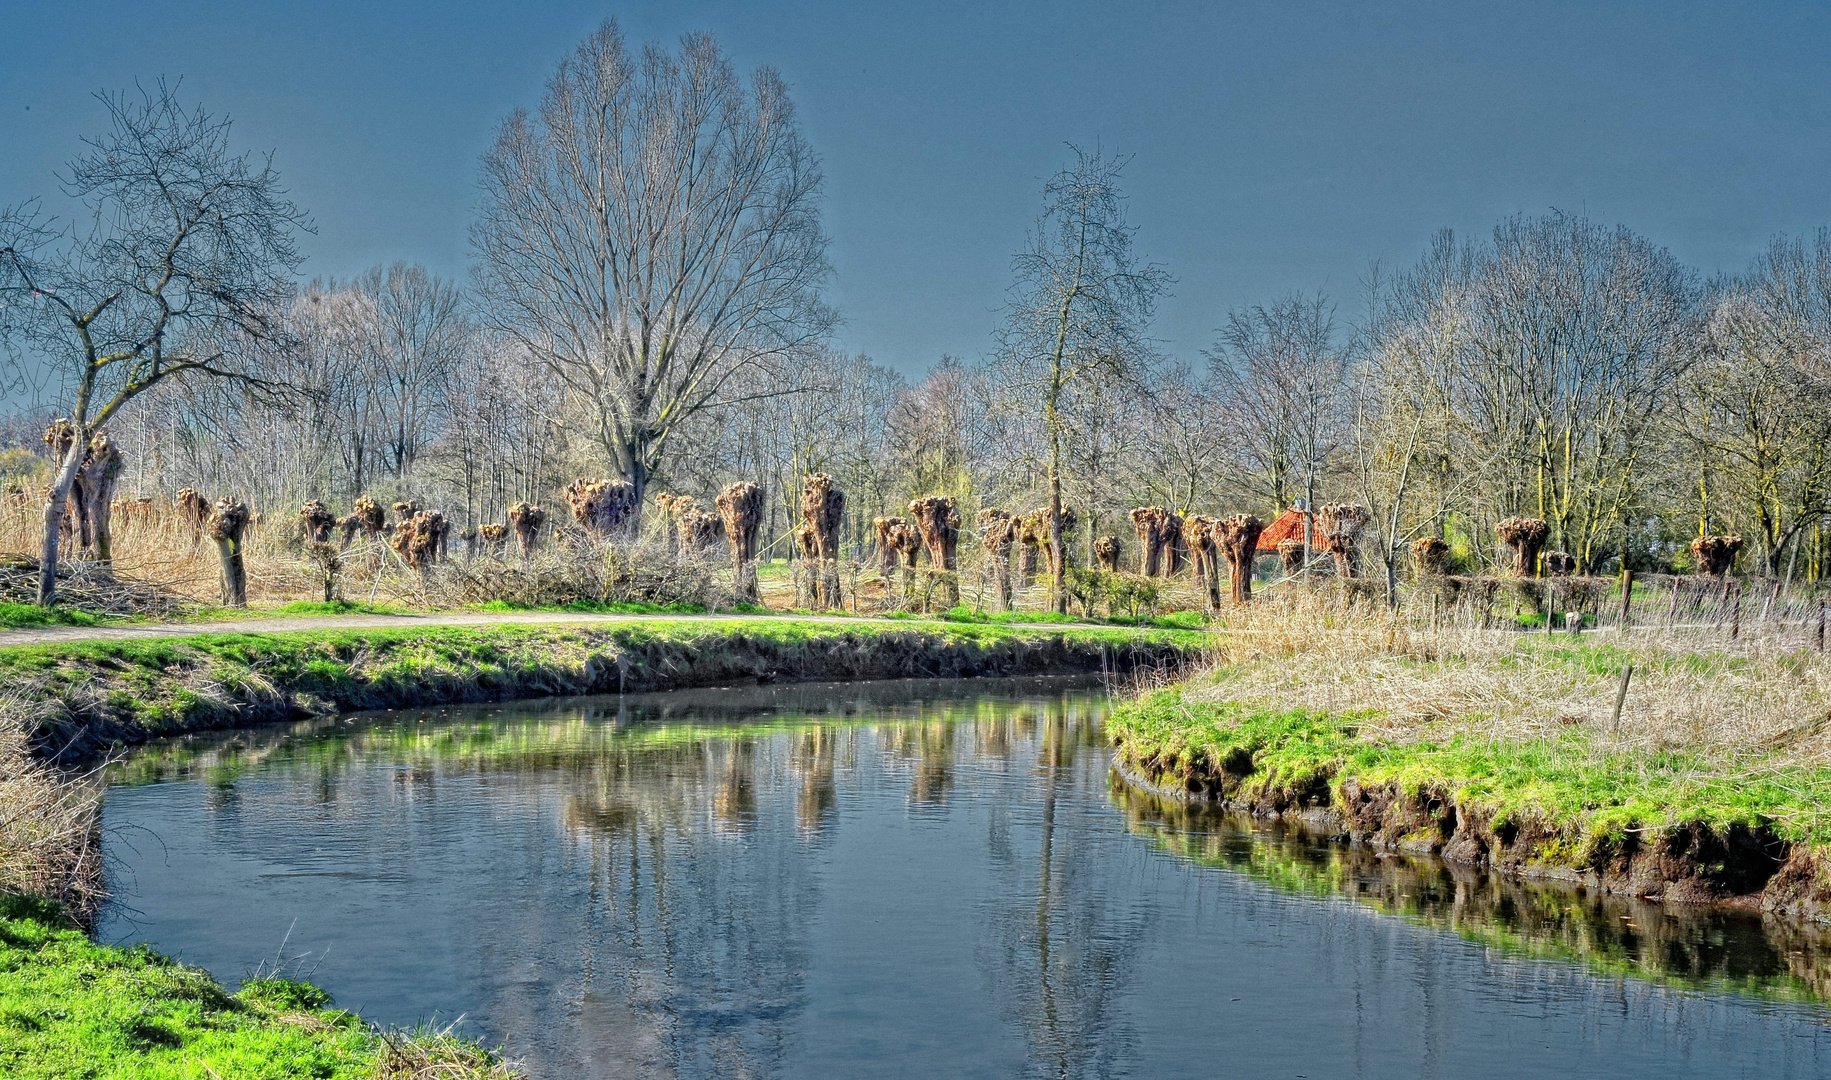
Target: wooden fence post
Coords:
[[1627, 596], [1621, 697]]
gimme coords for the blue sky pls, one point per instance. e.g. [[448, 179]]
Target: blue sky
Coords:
[[1275, 146]]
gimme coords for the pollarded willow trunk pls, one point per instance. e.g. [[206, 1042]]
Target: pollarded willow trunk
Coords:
[[823, 511], [420, 539], [1032, 534], [441, 537], [906, 541], [937, 520], [526, 519], [605, 509], [73, 522], [1155, 530], [740, 508], [365, 517], [98, 474], [1429, 552], [1559, 563], [227, 522], [1238, 539], [997, 532], [1290, 557], [494, 537], [1175, 552], [316, 521], [1107, 553], [886, 551], [369, 517], [1716, 555], [59, 499], [698, 531], [1204, 555], [1341, 525], [1526, 536], [194, 511]]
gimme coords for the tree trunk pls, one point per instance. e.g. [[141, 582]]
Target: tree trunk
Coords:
[[235, 572], [55, 501], [1058, 564]]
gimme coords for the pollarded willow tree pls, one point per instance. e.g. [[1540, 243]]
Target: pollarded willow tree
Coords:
[[1077, 314], [651, 234], [182, 272]]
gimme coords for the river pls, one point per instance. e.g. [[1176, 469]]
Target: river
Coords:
[[922, 879]]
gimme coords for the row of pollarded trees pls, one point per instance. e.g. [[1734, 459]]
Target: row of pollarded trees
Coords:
[[1714, 556]]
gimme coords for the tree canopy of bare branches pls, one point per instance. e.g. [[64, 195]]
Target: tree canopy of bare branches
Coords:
[[1079, 311], [651, 233], [181, 271]]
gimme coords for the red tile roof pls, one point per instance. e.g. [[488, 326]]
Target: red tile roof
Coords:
[[1289, 526]]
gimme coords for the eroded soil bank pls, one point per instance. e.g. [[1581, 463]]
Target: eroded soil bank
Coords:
[[1359, 798], [80, 701]]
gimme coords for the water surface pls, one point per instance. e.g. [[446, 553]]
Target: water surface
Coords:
[[922, 879]]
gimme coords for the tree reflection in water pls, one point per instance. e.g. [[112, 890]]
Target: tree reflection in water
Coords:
[[1057, 950]]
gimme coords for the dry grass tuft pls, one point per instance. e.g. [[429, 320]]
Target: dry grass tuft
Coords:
[[438, 1054]]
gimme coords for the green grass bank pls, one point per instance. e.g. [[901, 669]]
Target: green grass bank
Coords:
[[1666, 823], [81, 700], [70, 1008]]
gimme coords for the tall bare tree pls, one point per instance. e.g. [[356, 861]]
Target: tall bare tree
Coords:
[[652, 232], [1754, 415], [1078, 311], [181, 272]]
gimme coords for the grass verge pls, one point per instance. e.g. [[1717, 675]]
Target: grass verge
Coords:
[[71, 1008], [14, 615], [78, 699], [1591, 793]]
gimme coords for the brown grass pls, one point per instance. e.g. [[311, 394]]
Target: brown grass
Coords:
[[1765, 691], [438, 1054], [50, 831]]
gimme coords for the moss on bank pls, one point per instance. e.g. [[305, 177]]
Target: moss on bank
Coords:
[[71, 1008], [1673, 824], [80, 699]]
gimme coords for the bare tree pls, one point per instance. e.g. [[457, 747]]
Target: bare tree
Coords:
[[185, 264], [651, 233], [1282, 382], [1078, 311], [420, 336], [1754, 415]]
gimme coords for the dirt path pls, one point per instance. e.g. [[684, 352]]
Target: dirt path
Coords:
[[47, 635]]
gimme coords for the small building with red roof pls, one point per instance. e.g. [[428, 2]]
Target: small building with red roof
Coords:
[[1289, 526]]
